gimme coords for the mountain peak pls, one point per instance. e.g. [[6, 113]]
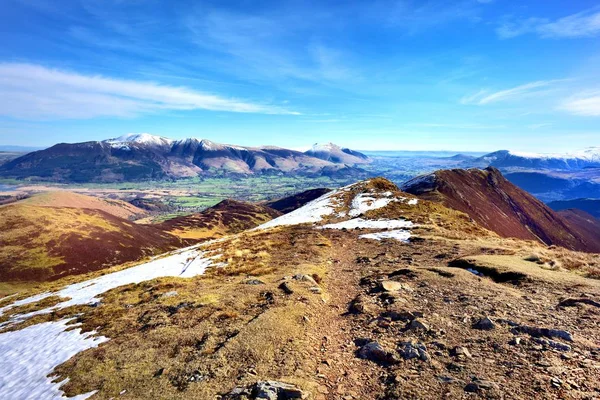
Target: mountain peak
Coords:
[[140, 138], [325, 147], [334, 153]]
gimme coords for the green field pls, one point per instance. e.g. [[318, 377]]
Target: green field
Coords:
[[195, 194]]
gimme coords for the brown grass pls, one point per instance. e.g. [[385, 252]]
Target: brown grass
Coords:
[[213, 326]]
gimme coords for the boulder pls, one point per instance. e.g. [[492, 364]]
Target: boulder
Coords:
[[412, 349], [373, 351], [485, 324], [266, 390]]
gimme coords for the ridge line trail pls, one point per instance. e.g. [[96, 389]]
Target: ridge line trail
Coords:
[[339, 373]]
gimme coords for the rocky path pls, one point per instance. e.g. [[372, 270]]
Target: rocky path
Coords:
[[401, 324]]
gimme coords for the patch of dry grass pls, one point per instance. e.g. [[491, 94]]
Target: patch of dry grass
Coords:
[[199, 337]]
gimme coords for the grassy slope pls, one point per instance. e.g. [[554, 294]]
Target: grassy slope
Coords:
[[117, 208], [41, 243], [227, 217]]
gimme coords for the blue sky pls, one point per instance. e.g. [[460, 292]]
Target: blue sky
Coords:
[[374, 75]]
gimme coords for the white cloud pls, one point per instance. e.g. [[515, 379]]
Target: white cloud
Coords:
[[486, 97], [34, 91], [585, 104], [583, 24]]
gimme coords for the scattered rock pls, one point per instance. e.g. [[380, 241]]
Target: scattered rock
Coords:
[[515, 341], [553, 344], [360, 305], [412, 349], [574, 302], [543, 332], [391, 286], [254, 282], [266, 390], [400, 315], [485, 324], [556, 382], [461, 352], [306, 278], [417, 325], [373, 351], [286, 287], [479, 384], [315, 290]]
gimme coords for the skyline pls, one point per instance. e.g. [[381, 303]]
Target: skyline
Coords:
[[399, 75]]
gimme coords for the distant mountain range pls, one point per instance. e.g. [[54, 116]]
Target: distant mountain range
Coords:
[[137, 157], [586, 158]]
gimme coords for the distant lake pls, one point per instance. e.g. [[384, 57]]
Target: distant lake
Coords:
[[7, 188]]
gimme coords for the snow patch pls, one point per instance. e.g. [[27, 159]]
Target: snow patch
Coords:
[[185, 263], [31, 354], [364, 202], [139, 138], [311, 212], [370, 224], [324, 147], [400, 234]]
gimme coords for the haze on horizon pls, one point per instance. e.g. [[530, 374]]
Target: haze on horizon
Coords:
[[467, 75]]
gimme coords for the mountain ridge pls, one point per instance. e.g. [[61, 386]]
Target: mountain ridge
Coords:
[[146, 157], [498, 205]]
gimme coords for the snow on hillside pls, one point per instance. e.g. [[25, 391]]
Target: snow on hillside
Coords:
[[30, 354], [140, 138], [311, 212], [326, 205], [359, 223], [591, 154], [401, 235], [324, 147]]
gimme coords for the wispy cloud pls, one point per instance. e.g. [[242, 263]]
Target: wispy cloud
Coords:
[[582, 24], [585, 104], [34, 91], [486, 97]]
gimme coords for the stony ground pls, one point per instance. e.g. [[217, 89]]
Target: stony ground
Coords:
[[401, 324]]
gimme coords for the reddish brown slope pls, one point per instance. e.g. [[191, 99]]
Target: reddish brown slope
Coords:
[[583, 223], [46, 243], [498, 205], [228, 216]]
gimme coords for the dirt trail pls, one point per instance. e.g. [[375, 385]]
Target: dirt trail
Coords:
[[449, 302], [340, 374]]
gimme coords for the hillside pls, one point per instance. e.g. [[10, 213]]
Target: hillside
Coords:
[[117, 208], [586, 224], [363, 293], [290, 203], [590, 206], [45, 243], [139, 157], [500, 206], [226, 217]]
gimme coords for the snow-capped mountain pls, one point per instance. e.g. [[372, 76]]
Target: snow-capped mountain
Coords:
[[589, 157], [143, 156], [334, 153]]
